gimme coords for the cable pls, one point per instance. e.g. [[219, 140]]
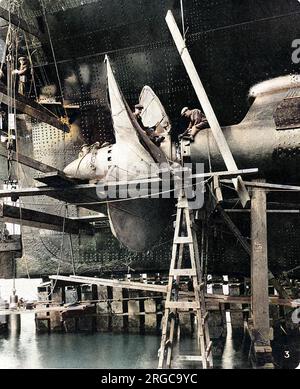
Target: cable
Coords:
[[61, 250], [54, 57], [31, 66]]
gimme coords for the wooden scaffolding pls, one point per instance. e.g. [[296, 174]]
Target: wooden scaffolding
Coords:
[[185, 236]]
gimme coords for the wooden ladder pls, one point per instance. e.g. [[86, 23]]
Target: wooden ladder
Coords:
[[185, 235]]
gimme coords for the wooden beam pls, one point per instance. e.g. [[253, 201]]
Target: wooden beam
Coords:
[[231, 173], [206, 106], [259, 267], [264, 185], [87, 192], [27, 161], [33, 109], [273, 300], [58, 178], [114, 283], [42, 220], [13, 243], [217, 189], [210, 298], [18, 22], [228, 210]]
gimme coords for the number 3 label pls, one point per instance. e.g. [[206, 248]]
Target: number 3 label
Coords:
[[286, 354]]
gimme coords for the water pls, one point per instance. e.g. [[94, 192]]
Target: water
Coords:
[[106, 351], [102, 350], [30, 350]]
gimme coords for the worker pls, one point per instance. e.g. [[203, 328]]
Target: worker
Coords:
[[155, 138], [24, 74], [197, 123]]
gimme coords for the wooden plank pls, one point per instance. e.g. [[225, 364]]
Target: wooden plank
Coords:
[[32, 108], [259, 266], [58, 178], [189, 358], [11, 245], [182, 305], [183, 272], [27, 161], [49, 191], [85, 194], [112, 283], [223, 173], [216, 298], [41, 220], [273, 300], [296, 211], [206, 106], [183, 240], [256, 184], [19, 22]]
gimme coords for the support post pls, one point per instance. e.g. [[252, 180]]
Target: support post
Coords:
[[260, 279]]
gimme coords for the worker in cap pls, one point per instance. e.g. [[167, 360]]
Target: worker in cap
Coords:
[[24, 75], [155, 138], [197, 122]]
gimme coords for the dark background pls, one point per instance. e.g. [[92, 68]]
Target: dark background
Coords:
[[233, 43]]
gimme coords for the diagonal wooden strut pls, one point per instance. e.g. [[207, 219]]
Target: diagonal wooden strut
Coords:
[[207, 108], [185, 235]]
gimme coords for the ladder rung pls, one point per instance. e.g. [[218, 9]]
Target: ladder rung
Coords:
[[183, 272], [183, 240], [196, 358], [182, 305]]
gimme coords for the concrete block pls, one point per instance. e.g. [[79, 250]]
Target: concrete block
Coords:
[[150, 323], [117, 323], [150, 306], [117, 307], [55, 322]]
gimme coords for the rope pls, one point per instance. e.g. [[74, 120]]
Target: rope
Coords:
[[31, 68], [54, 56], [57, 72], [5, 49]]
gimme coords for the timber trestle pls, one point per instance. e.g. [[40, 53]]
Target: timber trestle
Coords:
[[185, 238]]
